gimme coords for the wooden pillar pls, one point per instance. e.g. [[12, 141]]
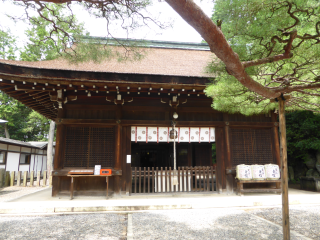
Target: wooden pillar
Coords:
[[55, 185], [2, 177], [284, 170], [50, 148], [31, 178], [228, 165], [220, 151], [227, 159], [44, 182], [128, 176], [38, 179], [58, 157], [60, 143], [117, 165], [12, 175], [25, 178], [123, 158], [19, 178], [7, 179]]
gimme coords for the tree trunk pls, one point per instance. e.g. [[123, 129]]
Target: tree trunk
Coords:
[[6, 130], [50, 149], [284, 171]]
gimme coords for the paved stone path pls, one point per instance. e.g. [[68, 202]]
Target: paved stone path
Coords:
[[14, 192], [218, 223], [79, 226]]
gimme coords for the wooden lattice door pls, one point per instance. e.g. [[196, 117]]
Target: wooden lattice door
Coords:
[[251, 146], [89, 146]]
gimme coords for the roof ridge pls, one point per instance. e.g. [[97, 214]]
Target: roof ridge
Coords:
[[149, 43]]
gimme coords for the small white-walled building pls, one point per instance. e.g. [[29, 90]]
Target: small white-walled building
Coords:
[[23, 156]]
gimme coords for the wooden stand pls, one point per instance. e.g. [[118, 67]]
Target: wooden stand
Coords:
[[240, 189], [78, 176]]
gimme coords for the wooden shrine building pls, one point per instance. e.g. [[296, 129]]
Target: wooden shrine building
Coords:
[[119, 115]]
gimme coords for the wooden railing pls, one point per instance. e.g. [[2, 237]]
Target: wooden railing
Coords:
[[160, 180], [24, 179]]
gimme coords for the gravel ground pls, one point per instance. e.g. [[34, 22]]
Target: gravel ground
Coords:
[[215, 223], [79, 226], [303, 219], [10, 193], [204, 224]]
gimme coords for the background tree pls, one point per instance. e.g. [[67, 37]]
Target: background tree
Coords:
[[286, 36], [51, 33], [24, 124], [303, 134], [46, 41], [15, 113], [8, 48]]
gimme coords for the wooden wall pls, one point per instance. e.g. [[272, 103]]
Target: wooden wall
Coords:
[[152, 112]]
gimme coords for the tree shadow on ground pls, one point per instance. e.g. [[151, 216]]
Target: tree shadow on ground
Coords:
[[208, 224]]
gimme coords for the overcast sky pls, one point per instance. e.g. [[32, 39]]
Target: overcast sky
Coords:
[[180, 30]]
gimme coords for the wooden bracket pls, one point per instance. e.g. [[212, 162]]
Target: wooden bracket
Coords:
[[283, 97]]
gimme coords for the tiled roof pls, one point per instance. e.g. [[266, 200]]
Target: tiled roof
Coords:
[[15, 142], [3, 122], [146, 43], [39, 145], [156, 61]]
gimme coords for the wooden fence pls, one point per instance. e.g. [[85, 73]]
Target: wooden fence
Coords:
[[160, 180], [24, 179]]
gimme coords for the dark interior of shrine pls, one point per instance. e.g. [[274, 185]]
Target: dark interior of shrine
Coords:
[[161, 154]]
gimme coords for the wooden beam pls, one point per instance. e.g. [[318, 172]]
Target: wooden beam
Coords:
[[86, 121], [166, 123], [92, 107], [252, 124], [35, 88], [285, 97], [4, 88]]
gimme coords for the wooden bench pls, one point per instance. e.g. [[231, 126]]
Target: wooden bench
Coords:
[[240, 189], [80, 176]]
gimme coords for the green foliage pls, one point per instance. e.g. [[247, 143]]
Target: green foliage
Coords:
[[8, 46], [37, 127], [89, 50], [24, 124], [51, 33], [303, 135], [229, 95], [258, 29], [99, 49], [15, 113]]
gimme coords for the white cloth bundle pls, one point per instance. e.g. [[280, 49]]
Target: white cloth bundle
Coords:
[[272, 171], [244, 172], [258, 172]]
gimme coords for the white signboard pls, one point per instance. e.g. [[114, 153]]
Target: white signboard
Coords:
[[97, 169], [128, 158]]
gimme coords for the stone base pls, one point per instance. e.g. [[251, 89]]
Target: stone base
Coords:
[[310, 184]]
